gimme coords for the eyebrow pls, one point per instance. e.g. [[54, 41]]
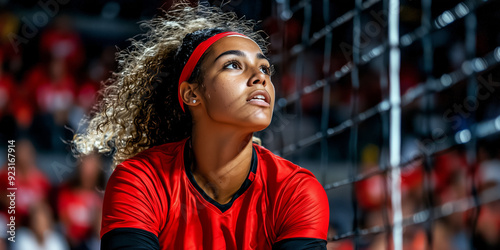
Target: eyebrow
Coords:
[[240, 53], [262, 56]]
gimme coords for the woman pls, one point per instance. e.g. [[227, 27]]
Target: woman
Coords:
[[180, 115]]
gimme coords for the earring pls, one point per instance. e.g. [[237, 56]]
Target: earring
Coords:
[[194, 101]]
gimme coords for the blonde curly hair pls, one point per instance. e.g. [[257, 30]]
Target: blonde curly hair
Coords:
[[138, 106]]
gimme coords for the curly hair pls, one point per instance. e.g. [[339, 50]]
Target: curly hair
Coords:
[[138, 106]]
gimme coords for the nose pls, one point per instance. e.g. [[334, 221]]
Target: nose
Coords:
[[258, 78]]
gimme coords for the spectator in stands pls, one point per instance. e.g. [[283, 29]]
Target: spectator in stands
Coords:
[[40, 235], [7, 91], [32, 185], [488, 221], [98, 71], [450, 232], [53, 90], [79, 202], [61, 41]]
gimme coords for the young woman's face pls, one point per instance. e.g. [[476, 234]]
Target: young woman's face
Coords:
[[238, 88]]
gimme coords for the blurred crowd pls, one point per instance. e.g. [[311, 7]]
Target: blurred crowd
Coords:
[[42, 101], [48, 215]]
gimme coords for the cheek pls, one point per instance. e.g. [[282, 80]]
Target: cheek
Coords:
[[224, 94], [271, 91]]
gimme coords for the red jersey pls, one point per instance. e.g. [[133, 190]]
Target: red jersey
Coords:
[[155, 192]]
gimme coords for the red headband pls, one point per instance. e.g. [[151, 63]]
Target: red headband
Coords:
[[195, 56]]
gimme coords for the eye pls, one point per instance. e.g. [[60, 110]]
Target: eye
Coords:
[[232, 65], [268, 70]]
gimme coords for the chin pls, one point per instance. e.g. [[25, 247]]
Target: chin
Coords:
[[260, 126], [260, 129]]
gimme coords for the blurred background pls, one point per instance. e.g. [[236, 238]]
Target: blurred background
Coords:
[[331, 114]]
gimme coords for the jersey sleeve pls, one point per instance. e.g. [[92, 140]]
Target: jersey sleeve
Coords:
[[131, 199], [129, 239], [303, 210], [300, 244]]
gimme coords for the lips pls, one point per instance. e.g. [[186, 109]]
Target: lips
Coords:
[[260, 98]]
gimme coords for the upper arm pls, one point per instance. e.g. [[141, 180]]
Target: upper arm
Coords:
[[303, 210], [129, 238], [300, 244], [132, 199]]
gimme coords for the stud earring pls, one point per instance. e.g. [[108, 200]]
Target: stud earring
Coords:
[[194, 101]]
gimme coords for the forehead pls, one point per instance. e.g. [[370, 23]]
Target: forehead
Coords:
[[235, 43]]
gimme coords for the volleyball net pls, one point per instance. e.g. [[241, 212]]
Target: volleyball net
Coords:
[[399, 102]]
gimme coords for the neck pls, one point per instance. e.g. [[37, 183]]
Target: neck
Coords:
[[222, 160]]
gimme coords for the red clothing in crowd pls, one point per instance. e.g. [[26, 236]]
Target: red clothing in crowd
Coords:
[[31, 189], [78, 209]]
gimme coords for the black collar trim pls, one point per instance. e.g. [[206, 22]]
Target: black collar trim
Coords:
[[246, 184]]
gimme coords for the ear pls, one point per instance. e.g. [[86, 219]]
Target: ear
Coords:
[[188, 94]]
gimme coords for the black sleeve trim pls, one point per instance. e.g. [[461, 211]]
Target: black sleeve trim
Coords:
[[301, 243], [129, 238]]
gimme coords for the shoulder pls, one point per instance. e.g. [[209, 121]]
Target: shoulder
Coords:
[[136, 194], [154, 161], [286, 181], [281, 170], [160, 152], [159, 166], [300, 205]]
